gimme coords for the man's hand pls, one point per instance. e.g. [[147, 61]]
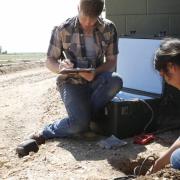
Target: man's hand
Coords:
[[66, 64], [89, 76]]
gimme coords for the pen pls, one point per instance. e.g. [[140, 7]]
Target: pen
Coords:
[[71, 56]]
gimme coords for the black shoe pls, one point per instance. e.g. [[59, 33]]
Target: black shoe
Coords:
[[38, 137], [27, 146]]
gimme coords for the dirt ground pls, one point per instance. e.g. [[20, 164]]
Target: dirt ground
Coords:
[[29, 101]]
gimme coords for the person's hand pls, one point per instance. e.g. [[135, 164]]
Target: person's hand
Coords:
[[66, 64], [157, 166], [89, 76], [160, 163]]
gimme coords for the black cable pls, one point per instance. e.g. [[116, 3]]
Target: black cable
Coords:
[[142, 164], [152, 114]]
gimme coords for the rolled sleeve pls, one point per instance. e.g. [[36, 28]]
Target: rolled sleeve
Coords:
[[55, 44], [112, 48]]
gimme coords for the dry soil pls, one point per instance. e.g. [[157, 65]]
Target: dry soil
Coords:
[[29, 101]]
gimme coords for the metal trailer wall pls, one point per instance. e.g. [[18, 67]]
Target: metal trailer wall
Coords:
[[145, 18]]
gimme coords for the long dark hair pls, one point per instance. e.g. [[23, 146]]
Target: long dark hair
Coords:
[[168, 52]]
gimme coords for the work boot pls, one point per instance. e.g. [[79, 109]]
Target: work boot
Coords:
[[27, 146], [38, 137]]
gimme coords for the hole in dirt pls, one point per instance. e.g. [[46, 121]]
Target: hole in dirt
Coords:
[[139, 166]]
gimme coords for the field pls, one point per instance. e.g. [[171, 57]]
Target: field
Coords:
[[28, 101], [10, 63], [21, 57]]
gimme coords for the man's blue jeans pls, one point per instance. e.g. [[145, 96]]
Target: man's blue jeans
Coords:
[[175, 159], [81, 102]]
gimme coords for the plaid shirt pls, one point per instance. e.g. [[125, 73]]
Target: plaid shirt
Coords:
[[69, 37]]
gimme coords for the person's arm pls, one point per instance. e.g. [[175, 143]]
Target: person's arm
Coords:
[[54, 53], [165, 158], [109, 65], [54, 66]]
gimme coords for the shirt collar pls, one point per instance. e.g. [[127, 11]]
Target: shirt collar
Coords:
[[98, 24]]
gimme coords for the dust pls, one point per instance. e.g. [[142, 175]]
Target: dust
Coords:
[[29, 101]]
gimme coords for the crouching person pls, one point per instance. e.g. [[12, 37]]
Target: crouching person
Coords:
[[167, 62], [87, 41]]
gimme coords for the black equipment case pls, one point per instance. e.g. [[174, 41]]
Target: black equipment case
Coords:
[[134, 109]]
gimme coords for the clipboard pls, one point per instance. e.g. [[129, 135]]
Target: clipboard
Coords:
[[76, 70]]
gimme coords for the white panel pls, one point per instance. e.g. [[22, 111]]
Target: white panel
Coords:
[[135, 64]]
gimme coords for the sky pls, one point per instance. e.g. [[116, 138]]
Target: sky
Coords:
[[26, 25]]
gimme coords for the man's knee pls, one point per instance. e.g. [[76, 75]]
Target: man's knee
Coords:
[[117, 80], [112, 77]]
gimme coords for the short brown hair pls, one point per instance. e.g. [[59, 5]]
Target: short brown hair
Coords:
[[91, 8], [168, 52]]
